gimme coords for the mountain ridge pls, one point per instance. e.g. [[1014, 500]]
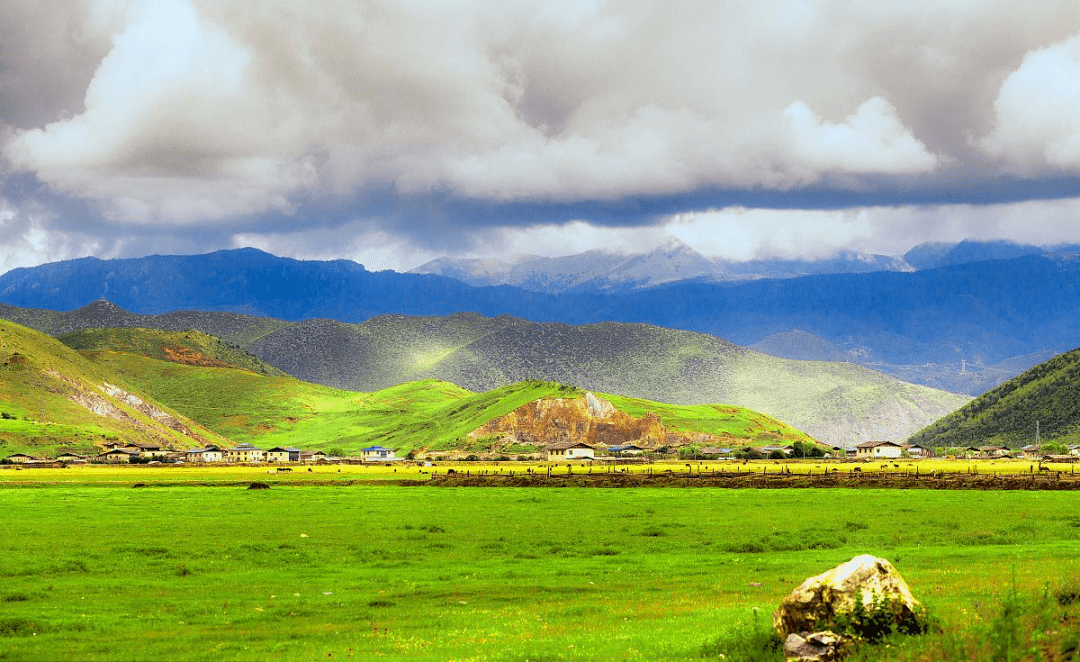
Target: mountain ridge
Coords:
[[963, 328], [834, 402], [1042, 402]]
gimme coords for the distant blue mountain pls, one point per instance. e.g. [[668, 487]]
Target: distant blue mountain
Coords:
[[933, 255], [962, 327], [601, 271]]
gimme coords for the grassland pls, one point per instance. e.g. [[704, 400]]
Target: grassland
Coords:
[[188, 347], [246, 406], [52, 398], [386, 572]]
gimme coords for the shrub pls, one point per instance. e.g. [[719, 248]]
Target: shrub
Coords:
[[879, 620]]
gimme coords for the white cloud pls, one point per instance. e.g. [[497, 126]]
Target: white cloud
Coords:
[[1038, 112], [203, 111], [872, 139]]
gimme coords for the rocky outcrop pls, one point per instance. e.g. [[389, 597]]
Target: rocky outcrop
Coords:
[[852, 595], [826, 646], [589, 419]]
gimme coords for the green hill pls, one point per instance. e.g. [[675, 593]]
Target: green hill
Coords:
[[53, 399], [839, 403], [187, 347], [428, 414], [1047, 395]]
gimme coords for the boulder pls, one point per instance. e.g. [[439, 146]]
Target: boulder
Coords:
[[818, 601], [825, 646]]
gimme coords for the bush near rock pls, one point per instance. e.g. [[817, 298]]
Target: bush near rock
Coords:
[[863, 599]]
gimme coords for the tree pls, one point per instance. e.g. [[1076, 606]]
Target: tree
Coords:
[[1054, 448]]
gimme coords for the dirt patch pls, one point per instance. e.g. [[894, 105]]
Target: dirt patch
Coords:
[[588, 419], [188, 356]]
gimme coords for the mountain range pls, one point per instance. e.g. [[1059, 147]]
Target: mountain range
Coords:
[[180, 389], [963, 327], [605, 271], [837, 403]]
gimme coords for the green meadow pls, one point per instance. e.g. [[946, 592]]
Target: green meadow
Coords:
[[389, 572], [243, 405]]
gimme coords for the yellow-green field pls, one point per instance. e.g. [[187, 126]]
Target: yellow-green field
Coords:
[[225, 474]]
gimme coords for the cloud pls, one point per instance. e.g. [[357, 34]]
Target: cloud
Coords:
[[1038, 112], [872, 139], [309, 126], [31, 239], [206, 111]]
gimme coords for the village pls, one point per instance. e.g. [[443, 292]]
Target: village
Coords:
[[245, 453]]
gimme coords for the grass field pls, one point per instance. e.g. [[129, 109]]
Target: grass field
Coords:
[[102, 474], [387, 572]]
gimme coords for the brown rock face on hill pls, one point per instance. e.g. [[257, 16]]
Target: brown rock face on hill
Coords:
[[589, 419]]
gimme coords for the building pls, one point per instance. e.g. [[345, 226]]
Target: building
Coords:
[[312, 456], [151, 450], [787, 451], [244, 453], [378, 454], [21, 458], [118, 456], [569, 450], [70, 458], [283, 454], [915, 450], [627, 449], [208, 454], [994, 451], [878, 449], [713, 451]]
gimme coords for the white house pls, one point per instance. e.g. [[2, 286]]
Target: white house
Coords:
[[570, 450], [878, 449], [378, 454], [627, 449], [208, 454]]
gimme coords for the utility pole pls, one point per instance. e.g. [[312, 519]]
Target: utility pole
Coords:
[[1037, 434]]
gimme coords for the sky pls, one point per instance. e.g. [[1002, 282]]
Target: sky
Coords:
[[395, 132]]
